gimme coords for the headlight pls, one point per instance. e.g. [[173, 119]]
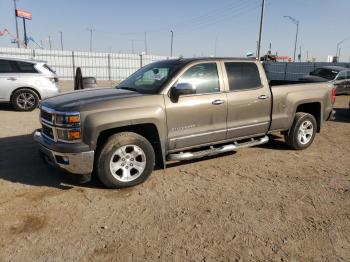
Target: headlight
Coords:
[[68, 119], [68, 134]]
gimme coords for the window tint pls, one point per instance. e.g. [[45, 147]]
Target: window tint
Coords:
[[5, 67], [242, 76], [26, 67], [204, 77], [325, 73]]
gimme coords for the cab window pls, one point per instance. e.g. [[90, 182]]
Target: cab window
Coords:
[[242, 76], [6, 67], [203, 77]]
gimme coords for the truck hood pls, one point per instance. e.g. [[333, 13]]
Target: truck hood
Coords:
[[77, 100]]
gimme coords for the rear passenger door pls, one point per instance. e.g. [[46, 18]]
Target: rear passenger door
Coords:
[[249, 100], [8, 79]]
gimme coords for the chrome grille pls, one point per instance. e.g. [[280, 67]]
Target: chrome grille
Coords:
[[46, 116], [48, 131]]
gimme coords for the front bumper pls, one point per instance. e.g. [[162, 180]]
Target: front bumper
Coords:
[[76, 163]]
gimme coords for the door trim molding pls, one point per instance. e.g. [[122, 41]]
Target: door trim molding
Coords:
[[246, 126]]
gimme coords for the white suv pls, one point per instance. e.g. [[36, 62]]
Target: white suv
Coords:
[[24, 82]]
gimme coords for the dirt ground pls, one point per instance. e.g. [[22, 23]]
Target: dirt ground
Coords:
[[262, 203]]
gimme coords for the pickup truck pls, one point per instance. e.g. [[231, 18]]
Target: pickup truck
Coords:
[[176, 110]]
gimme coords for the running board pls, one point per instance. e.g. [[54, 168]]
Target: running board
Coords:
[[217, 150]]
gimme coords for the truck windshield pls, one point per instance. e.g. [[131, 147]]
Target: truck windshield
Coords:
[[150, 78]]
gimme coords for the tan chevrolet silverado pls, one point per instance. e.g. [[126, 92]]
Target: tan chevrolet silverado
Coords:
[[176, 110]]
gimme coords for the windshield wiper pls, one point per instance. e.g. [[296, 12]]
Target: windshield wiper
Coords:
[[128, 88]]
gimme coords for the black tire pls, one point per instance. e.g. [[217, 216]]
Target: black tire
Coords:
[[291, 137], [25, 99], [107, 152]]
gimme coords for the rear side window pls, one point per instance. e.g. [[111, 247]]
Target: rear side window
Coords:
[[25, 67], [242, 76], [6, 67]]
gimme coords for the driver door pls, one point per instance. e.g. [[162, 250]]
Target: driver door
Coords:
[[200, 118]]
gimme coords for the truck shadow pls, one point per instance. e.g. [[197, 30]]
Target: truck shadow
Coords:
[[342, 115], [20, 162]]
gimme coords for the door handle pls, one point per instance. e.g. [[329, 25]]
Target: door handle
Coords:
[[218, 102], [12, 78], [263, 97]]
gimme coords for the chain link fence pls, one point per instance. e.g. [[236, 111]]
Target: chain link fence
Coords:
[[102, 66], [284, 71]]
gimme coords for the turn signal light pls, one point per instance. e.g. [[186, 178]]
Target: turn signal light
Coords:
[[73, 119], [73, 135]]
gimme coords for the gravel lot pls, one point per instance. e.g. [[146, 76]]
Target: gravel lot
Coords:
[[262, 203]]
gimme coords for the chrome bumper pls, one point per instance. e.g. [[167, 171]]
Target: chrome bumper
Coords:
[[76, 163]]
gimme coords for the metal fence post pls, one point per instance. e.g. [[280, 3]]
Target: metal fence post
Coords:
[[140, 60], [109, 67], [73, 62], [33, 53], [285, 70]]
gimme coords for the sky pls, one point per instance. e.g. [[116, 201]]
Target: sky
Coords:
[[201, 27]]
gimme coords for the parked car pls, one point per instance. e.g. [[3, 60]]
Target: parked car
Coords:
[[176, 110], [323, 74], [24, 82], [342, 82]]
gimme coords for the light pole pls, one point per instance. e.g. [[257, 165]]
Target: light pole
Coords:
[[50, 45], [171, 43], [61, 40], [337, 53], [132, 46], [91, 31], [146, 48], [260, 29], [296, 22], [17, 35]]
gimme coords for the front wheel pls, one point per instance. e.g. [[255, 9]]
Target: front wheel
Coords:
[[126, 159], [302, 131]]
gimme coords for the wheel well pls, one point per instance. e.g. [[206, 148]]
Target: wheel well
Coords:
[[313, 109], [35, 91], [148, 131]]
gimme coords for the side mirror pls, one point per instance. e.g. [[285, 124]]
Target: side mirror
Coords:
[[182, 89]]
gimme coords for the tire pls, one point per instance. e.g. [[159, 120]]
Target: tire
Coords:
[[303, 131], [126, 159], [25, 100]]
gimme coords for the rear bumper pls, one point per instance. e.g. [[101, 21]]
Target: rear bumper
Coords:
[[80, 163]]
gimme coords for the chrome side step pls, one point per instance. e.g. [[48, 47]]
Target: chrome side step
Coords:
[[217, 150]]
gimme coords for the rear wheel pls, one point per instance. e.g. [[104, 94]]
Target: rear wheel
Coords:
[[25, 100], [125, 160], [302, 132]]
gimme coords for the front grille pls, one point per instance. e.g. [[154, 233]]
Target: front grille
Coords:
[[48, 131], [46, 116]]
